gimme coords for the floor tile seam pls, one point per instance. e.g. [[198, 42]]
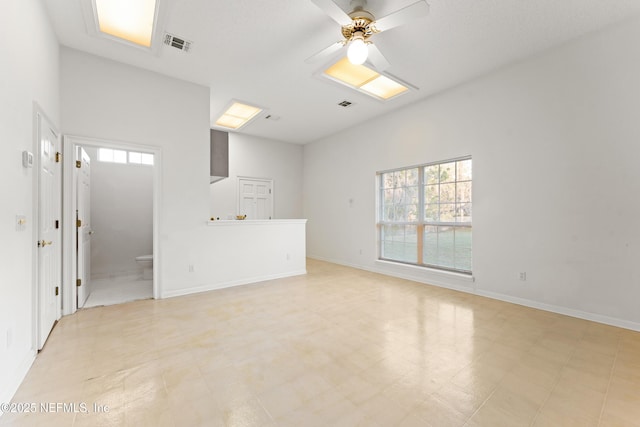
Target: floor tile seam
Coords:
[[500, 382], [555, 385], [470, 417], [606, 394]]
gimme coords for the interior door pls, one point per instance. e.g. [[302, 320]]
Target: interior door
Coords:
[[83, 226], [49, 235], [255, 198]]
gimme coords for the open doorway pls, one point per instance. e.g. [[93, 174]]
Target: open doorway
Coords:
[[112, 205]]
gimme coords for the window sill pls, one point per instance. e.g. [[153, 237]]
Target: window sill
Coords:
[[431, 271]]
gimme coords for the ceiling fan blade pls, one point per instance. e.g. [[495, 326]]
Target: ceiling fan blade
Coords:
[[415, 10], [377, 59], [325, 53], [334, 11]]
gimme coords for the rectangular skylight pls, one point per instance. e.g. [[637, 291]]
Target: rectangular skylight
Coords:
[[364, 79], [131, 20], [237, 115]]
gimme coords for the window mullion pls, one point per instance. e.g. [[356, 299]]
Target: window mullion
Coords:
[[421, 203]]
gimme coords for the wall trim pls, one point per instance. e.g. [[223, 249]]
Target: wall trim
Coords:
[[593, 317], [18, 375], [235, 222], [231, 283]]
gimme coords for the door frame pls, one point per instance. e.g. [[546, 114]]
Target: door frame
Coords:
[[38, 114], [253, 178], [70, 144]]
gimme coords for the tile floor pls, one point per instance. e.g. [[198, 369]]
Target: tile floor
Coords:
[[337, 347], [118, 290]]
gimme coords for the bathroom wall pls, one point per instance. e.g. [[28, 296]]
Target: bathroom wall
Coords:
[[121, 216], [250, 156]]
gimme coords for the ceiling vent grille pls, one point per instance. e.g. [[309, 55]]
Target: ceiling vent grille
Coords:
[[177, 42], [345, 104]]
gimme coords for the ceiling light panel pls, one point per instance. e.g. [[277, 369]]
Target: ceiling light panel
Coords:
[[131, 20], [237, 115], [384, 87], [365, 80], [354, 75]]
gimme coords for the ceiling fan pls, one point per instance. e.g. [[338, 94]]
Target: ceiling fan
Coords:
[[358, 27]]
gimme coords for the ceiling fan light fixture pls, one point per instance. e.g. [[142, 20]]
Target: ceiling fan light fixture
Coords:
[[358, 50]]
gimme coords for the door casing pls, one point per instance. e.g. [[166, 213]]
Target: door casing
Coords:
[[71, 143]]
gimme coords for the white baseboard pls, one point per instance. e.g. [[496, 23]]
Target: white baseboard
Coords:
[[18, 375], [594, 317], [222, 285]]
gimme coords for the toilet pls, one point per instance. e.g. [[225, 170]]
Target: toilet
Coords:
[[146, 262]]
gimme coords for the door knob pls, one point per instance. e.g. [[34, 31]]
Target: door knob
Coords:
[[44, 243]]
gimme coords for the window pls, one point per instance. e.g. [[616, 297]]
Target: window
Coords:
[[111, 155], [425, 215], [121, 156], [140, 158]]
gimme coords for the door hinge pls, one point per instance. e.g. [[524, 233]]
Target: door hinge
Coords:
[[78, 164], [78, 282], [57, 290], [78, 223], [58, 156], [57, 223]]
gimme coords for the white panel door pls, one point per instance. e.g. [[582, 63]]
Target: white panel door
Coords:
[[83, 225], [255, 198], [49, 236]]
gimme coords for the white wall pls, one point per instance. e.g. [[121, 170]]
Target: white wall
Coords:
[[121, 216], [241, 252], [27, 76], [255, 157], [555, 153]]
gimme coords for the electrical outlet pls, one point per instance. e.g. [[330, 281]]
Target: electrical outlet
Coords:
[[523, 276], [288, 257], [191, 268]]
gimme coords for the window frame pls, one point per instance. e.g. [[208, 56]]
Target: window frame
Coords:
[[146, 159], [421, 221]]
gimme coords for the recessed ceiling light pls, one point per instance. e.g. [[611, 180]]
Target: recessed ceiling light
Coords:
[[237, 115], [384, 87], [365, 79], [131, 20]]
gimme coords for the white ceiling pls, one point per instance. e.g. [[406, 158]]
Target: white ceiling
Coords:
[[254, 50]]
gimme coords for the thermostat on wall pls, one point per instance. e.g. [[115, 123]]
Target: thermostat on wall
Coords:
[[27, 159]]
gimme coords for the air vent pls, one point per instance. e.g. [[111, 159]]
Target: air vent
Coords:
[[345, 104], [177, 42]]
